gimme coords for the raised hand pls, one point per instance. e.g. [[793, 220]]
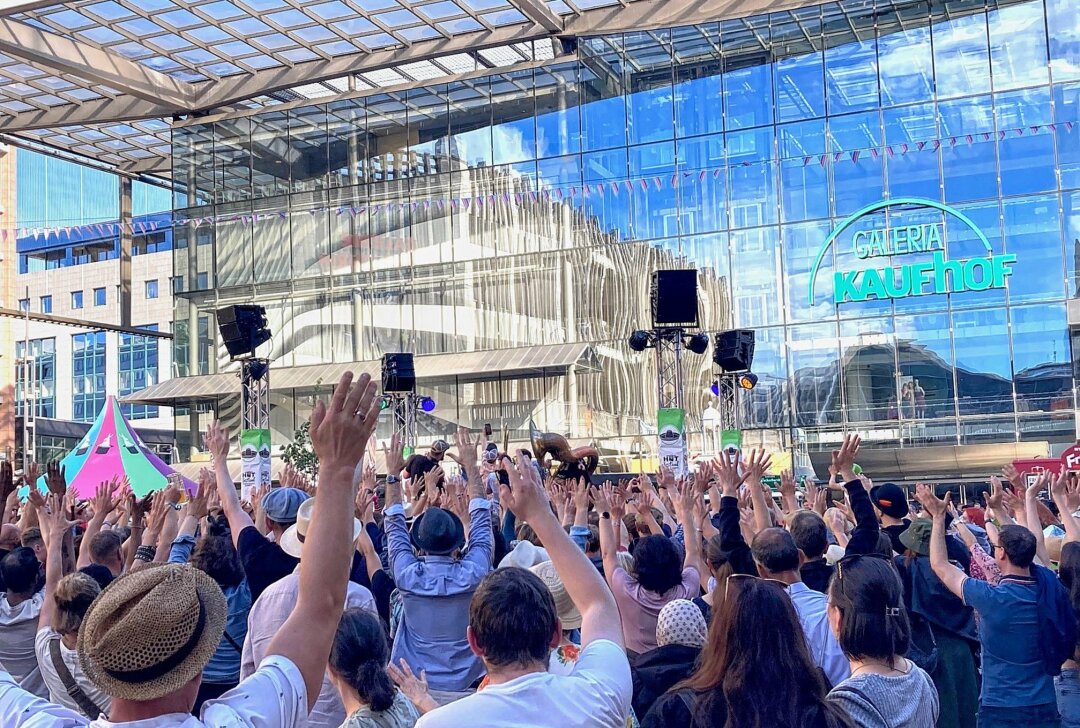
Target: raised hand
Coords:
[[525, 496], [52, 518], [7, 480], [757, 465], [1013, 476], [56, 478], [432, 480], [340, 429], [415, 688], [727, 474], [994, 497], [665, 478], [394, 455], [843, 460], [581, 497], [644, 503], [935, 507], [198, 505], [216, 440], [105, 499]]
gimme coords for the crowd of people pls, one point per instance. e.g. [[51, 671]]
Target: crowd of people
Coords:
[[470, 587]]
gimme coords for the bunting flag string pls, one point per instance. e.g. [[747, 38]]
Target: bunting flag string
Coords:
[[599, 191]]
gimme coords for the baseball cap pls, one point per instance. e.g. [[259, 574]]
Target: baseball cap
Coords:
[[281, 504], [890, 499]]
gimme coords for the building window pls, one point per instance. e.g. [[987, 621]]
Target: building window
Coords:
[[76, 299], [152, 289], [46, 304], [42, 362], [138, 370], [178, 284], [99, 296], [87, 375], [202, 282], [24, 304]]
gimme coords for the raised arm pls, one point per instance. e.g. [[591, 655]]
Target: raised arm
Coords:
[[1060, 492], [731, 537], [339, 435], [685, 496], [104, 503], [952, 577], [609, 544], [1031, 503], [599, 612], [216, 441], [756, 467], [481, 536], [400, 554], [54, 524]]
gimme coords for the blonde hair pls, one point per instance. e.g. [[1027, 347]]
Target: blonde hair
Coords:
[[74, 595]]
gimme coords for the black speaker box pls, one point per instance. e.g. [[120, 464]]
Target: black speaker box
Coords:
[[243, 328], [734, 350], [398, 373], [674, 298]]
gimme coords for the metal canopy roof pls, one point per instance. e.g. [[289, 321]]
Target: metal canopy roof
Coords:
[[432, 370], [103, 78]]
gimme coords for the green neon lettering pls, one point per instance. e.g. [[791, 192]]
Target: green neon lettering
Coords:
[[894, 290], [977, 274], [1002, 266], [845, 288]]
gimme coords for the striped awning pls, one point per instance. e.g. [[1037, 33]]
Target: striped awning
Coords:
[[465, 367]]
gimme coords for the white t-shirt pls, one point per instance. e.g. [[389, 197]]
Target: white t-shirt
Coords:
[[274, 697], [595, 695], [57, 692], [18, 626]]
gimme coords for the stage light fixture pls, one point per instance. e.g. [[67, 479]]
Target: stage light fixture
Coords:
[[715, 389], [427, 404], [698, 343], [639, 340], [384, 402], [748, 380]]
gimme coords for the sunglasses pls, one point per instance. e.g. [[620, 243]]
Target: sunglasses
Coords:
[[746, 577]]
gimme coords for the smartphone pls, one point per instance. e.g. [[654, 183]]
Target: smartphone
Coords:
[[487, 430]]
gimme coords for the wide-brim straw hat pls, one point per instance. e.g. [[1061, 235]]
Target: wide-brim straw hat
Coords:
[[150, 632]]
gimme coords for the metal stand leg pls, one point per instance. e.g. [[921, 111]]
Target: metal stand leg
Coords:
[[255, 394]]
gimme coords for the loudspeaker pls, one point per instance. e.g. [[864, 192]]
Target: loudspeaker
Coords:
[[734, 350], [243, 328], [398, 374], [674, 298]]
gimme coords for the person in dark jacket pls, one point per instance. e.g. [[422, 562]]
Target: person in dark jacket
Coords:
[[680, 634], [811, 536]]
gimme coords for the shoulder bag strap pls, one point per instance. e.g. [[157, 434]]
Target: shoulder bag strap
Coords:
[[86, 705], [864, 697], [232, 641]]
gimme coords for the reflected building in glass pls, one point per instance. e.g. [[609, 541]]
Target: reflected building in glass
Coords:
[[504, 229]]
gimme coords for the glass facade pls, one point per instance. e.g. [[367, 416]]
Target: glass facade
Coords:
[[138, 370], [528, 208], [87, 375], [43, 355]]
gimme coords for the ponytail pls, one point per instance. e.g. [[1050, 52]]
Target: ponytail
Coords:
[[359, 656], [372, 684]]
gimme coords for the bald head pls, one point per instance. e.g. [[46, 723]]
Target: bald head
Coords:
[[775, 551], [9, 536]]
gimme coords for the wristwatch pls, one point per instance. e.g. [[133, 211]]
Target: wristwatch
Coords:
[[605, 514], [393, 479]]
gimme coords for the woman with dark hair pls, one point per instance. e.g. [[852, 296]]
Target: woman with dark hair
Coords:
[[1068, 682], [215, 554], [659, 573], [755, 670], [716, 560], [358, 659], [867, 615]]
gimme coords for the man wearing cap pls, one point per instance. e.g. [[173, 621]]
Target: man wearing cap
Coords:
[[147, 637], [437, 586], [273, 608], [890, 500]]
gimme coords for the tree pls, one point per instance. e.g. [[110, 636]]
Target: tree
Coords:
[[300, 454]]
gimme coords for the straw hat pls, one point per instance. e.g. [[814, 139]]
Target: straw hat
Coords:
[[569, 616], [292, 541], [150, 632]]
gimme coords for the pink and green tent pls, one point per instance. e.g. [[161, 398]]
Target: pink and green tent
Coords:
[[113, 449]]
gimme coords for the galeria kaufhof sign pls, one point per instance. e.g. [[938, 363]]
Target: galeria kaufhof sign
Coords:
[[880, 249]]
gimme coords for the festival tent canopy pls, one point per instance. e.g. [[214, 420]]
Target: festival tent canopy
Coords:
[[113, 449]]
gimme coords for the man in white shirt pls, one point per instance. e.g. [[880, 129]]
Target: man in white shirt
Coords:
[[20, 607], [273, 607], [146, 639], [513, 627], [777, 557]]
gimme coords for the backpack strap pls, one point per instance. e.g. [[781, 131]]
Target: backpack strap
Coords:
[[232, 641], [86, 705]]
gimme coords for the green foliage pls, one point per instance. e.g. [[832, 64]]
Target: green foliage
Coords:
[[300, 454]]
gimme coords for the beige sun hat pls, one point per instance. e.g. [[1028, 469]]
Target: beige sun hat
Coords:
[[292, 541], [569, 616], [151, 631]]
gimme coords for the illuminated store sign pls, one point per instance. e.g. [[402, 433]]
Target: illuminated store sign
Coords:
[[922, 278]]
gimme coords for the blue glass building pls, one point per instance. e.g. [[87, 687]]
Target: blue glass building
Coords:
[[527, 209]]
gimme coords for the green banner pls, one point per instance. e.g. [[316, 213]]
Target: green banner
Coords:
[[731, 441], [671, 431], [254, 461]]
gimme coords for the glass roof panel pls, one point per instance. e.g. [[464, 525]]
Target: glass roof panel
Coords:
[[180, 19], [355, 26], [332, 10], [419, 32], [289, 18], [110, 10]]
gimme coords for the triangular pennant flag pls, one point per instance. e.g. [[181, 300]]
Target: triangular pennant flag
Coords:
[[874, 152], [837, 156], [629, 185], [674, 181], [889, 151], [600, 188], [805, 161], [969, 139], [855, 156], [585, 190], [822, 159], [904, 147], [701, 175], [952, 141], [559, 192], [920, 146], [1052, 127], [936, 144], [1019, 132], [573, 192], [657, 183], [1035, 129], [615, 188], [644, 184], [1001, 135], [1069, 126], [716, 172]]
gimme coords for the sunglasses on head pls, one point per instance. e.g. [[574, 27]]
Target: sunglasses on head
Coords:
[[852, 558], [747, 577]]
